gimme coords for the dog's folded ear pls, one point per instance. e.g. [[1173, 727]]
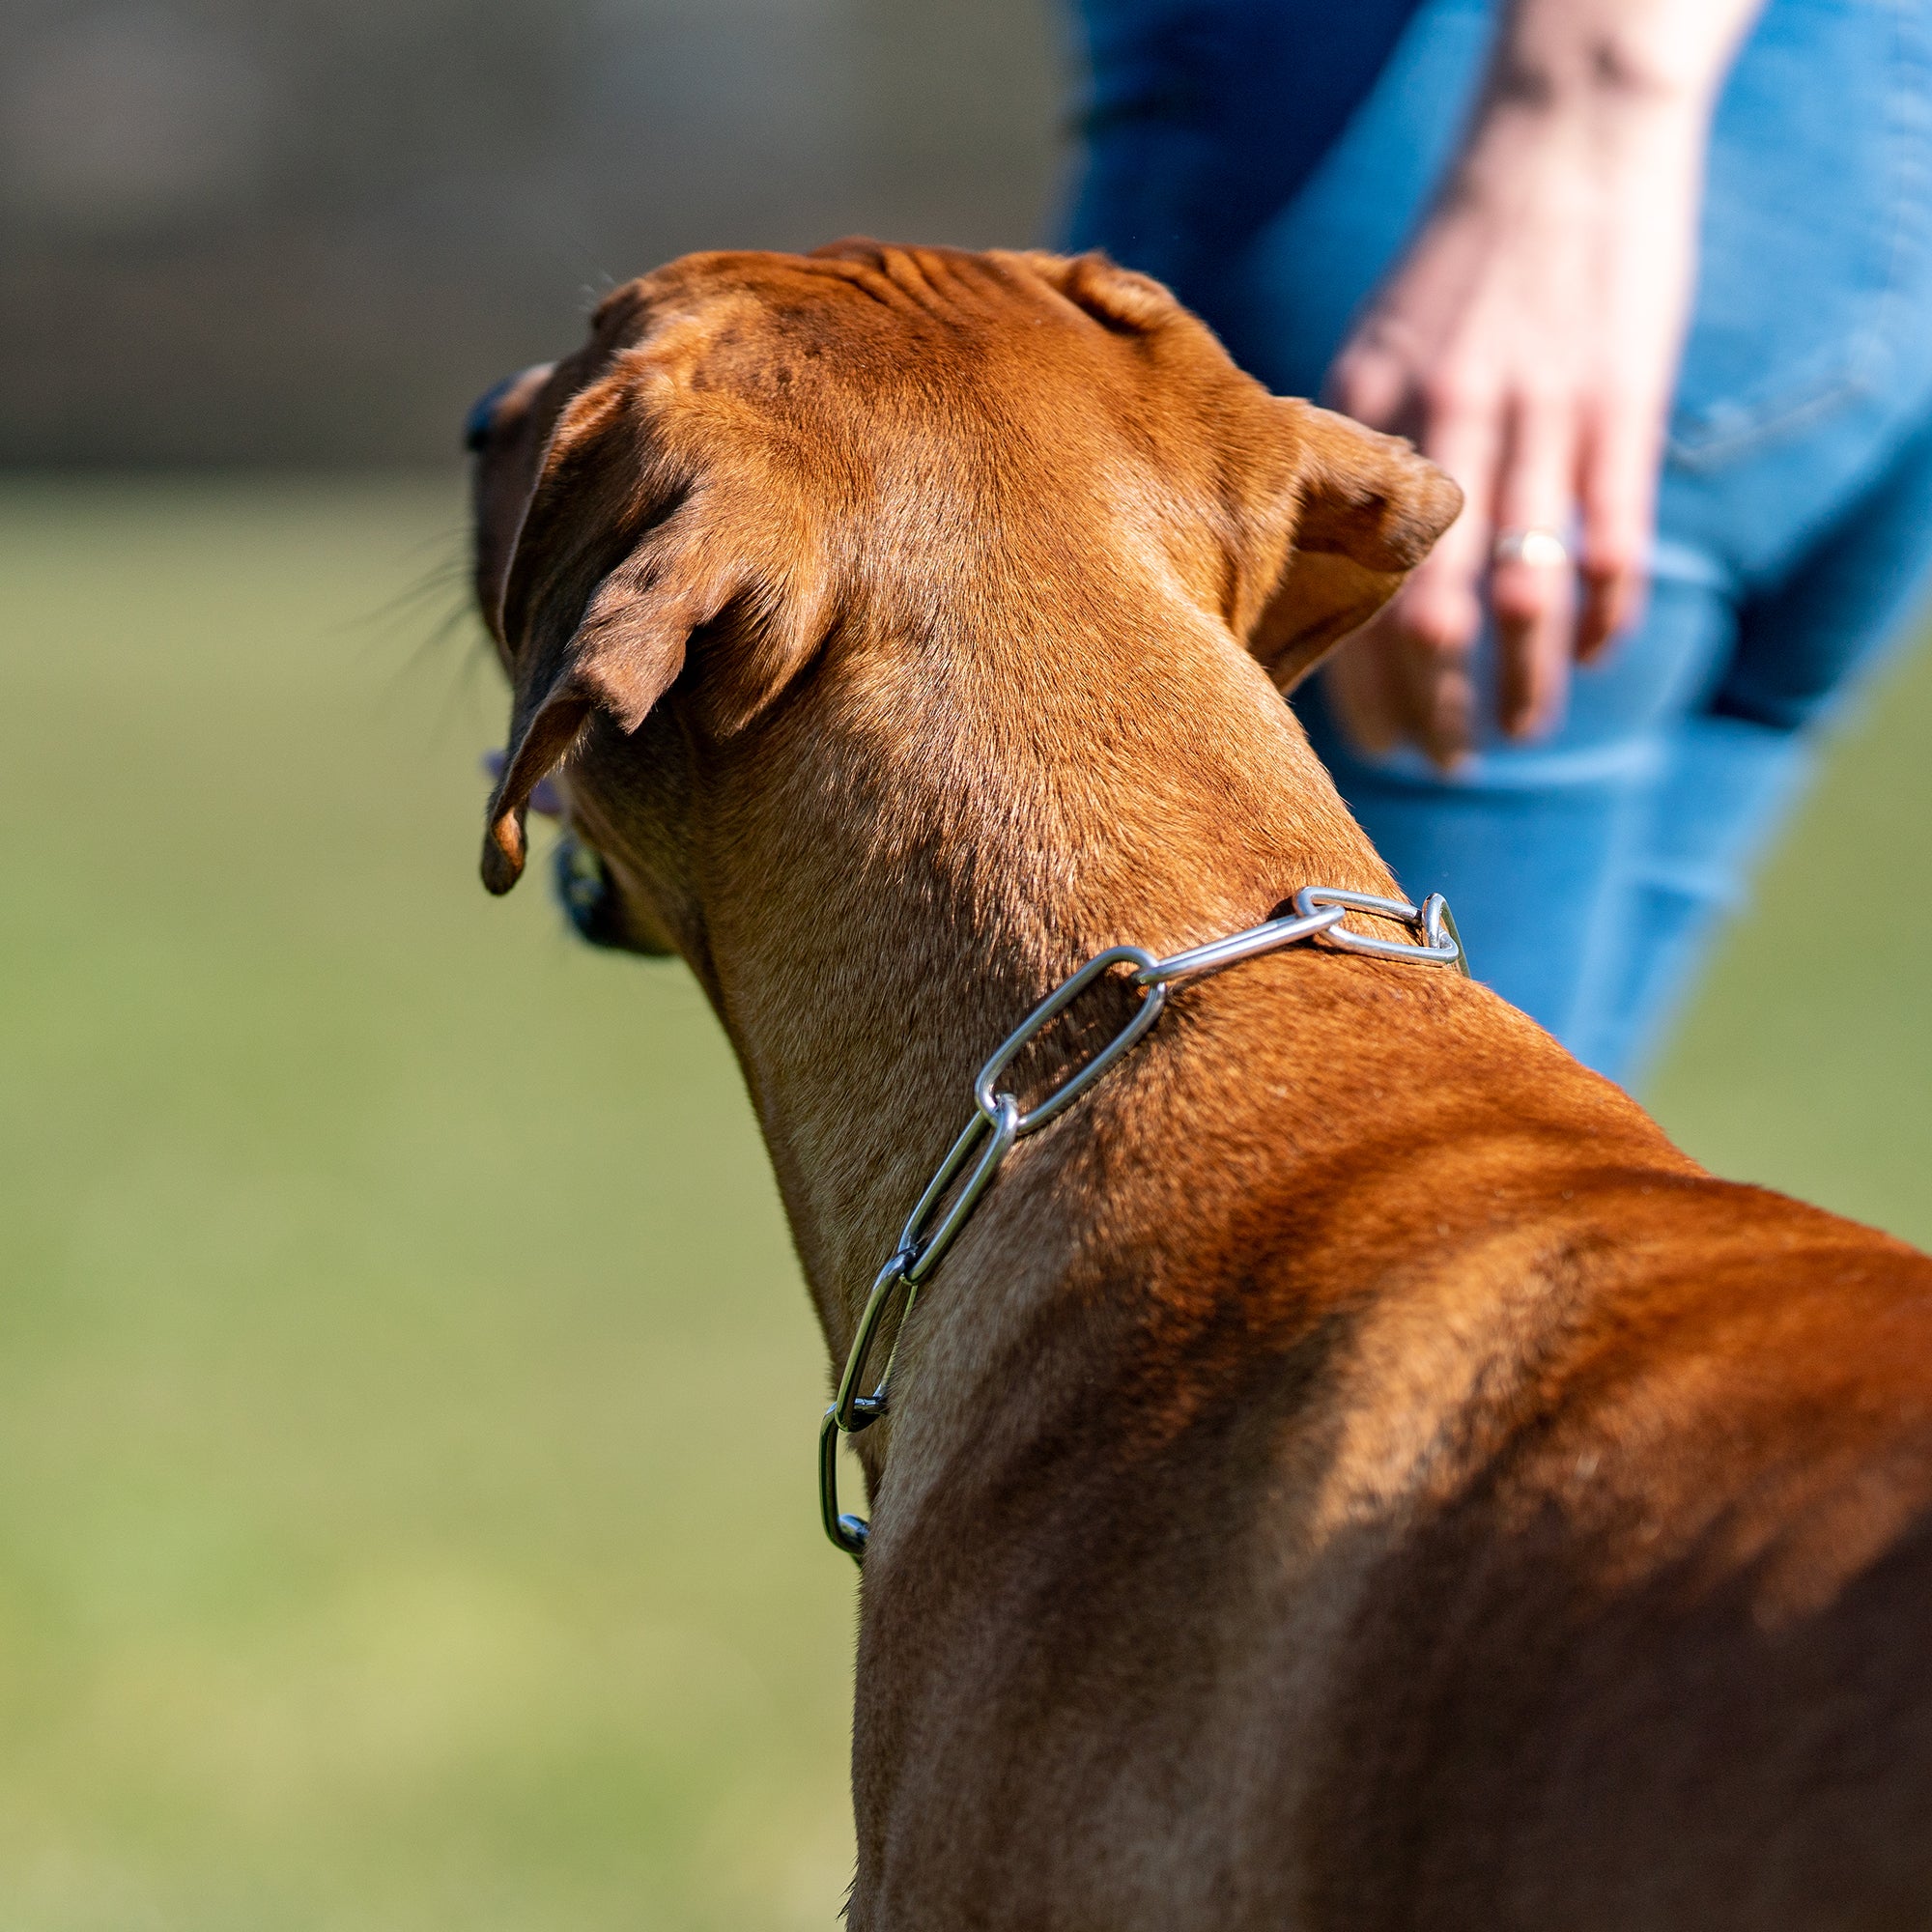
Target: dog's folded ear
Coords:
[[618, 561], [1367, 509], [626, 551], [617, 651]]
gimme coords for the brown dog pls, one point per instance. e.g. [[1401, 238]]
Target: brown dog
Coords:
[[1352, 1471]]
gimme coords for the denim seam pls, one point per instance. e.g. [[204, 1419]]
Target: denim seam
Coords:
[[1774, 419], [1869, 351], [1506, 772], [1706, 884]]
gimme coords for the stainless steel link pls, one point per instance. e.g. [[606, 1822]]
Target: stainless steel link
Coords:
[[917, 1255], [999, 1128], [1442, 944], [847, 1532], [1263, 938], [1055, 1003], [999, 1121]]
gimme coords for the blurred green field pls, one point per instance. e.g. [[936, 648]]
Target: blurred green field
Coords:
[[405, 1391]]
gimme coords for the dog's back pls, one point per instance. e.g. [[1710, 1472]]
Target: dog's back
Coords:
[[1653, 1650], [1544, 1540]]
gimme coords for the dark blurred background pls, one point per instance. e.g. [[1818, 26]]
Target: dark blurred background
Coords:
[[303, 232]]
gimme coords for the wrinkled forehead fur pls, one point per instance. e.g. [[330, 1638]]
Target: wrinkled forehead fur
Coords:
[[755, 453]]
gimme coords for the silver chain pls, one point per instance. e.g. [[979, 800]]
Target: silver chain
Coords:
[[998, 1121]]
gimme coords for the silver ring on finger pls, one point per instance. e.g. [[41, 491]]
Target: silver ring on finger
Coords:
[[1535, 545]]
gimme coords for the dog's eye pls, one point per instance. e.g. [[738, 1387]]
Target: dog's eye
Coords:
[[482, 416]]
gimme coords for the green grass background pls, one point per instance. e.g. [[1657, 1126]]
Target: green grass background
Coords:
[[405, 1393]]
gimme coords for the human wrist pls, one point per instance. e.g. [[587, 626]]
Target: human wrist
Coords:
[[1613, 72], [1523, 145], [1639, 61]]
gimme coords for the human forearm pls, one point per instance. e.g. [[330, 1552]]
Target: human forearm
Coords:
[[1528, 339]]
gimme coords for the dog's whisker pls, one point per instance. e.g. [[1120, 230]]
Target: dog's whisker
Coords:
[[448, 572], [445, 584], [462, 685], [434, 642]]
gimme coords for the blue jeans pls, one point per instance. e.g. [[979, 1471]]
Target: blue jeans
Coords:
[[1588, 872]]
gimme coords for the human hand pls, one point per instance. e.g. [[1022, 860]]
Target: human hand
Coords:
[[1529, 343]]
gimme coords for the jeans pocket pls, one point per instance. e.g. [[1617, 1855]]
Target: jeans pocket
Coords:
[[1814, 218]]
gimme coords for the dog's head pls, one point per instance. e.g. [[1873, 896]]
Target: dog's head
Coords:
[[755, 454]]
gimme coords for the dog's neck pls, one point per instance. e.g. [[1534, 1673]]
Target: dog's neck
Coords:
[[906, 861], [903, 858]]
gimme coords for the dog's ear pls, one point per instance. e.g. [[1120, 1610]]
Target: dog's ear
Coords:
[[653, 520], [618, 651], [617, 563], [1366, 510]]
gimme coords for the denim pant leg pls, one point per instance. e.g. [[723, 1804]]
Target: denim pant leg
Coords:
[[1736, 767], [1535, 846]]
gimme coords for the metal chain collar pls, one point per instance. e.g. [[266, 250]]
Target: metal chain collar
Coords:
[[998, 1121]]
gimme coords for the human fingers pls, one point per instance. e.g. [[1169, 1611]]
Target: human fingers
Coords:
[[1439, 612], [1380, 689], [1406, 675], [1372, 381], [1362, 694], [1532, 589], [1619, 456]]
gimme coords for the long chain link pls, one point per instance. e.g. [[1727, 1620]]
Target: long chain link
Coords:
[[999, 1121]]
